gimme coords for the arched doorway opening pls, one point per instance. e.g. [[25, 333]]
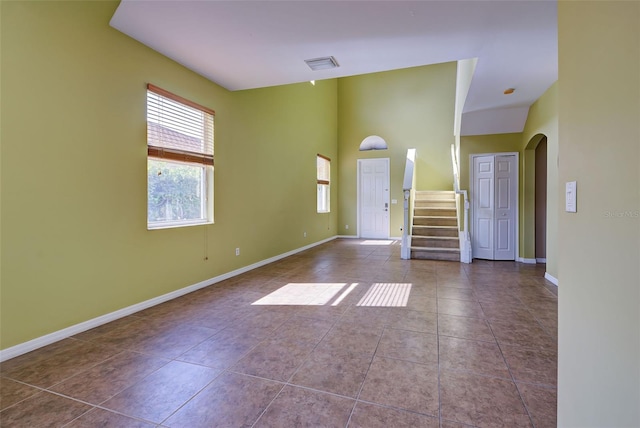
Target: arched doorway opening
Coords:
[[541, 201], [536, 199]]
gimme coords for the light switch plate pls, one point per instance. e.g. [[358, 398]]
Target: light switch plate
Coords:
[[394, 201], [571, 197]]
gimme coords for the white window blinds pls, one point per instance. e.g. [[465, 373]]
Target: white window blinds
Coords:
[[178, 129], [324, 169]]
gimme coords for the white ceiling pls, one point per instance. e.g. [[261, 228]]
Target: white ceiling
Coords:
[[253, 44]]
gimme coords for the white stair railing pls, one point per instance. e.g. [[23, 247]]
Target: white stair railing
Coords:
[[465, 237], [408, 186]]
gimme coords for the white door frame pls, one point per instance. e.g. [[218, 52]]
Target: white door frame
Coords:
[[359, 192], [472, 194]]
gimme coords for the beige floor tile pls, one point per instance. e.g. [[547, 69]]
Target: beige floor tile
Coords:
[[337, 373], [481, 401], [452, 352], [222, 350], [463, 308], [403, 385], [409, 346], [274, 359], [542, 404], [75, 358], [371, 416], [163, 392], [465, 328], [232, 400], [347, 339], [521, 334], [104, 418], [406, 319], [43, 410], [108, 378], [297, 407], [532, 365], [12, 392], [472, 356]]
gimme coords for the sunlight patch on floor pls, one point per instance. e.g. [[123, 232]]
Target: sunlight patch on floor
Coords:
[[386, 294], [312, 294], [377, 242]]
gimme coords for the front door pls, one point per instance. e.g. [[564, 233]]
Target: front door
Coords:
[[494, 207], [373, 198]]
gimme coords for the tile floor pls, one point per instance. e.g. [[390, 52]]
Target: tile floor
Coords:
[[344, 334]]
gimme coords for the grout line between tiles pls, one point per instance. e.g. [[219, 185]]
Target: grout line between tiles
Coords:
[[357, 397], [513, 379]]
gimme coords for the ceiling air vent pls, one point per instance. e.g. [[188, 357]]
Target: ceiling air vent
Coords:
[[322, 63]]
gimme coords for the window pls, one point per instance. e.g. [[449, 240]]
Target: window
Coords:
[[179, 161], [323, 164]]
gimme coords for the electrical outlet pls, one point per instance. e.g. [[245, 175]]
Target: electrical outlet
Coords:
[[304, 234], [237, 251], [346, 226]]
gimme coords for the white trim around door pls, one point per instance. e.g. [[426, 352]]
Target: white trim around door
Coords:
[[473, 197], [373, 204]]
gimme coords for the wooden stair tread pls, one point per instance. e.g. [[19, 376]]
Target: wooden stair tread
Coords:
[[435, 235]]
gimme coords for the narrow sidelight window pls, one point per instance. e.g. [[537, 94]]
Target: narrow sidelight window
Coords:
[[324, 183]]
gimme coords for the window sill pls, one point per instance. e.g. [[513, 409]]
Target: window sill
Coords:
[[174, 225]]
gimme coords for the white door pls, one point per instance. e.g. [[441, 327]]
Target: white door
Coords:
[[483, 207], [505, 208], [494, 197], [373, 198]]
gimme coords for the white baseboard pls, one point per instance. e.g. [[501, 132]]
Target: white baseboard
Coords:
[[348, 236], [527, 261], [56, 336], [541, 260], [551, 279]]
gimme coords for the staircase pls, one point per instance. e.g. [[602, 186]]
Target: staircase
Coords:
[[434, 233]]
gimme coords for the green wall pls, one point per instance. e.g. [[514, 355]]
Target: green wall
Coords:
[[599, 245], [73, 171], [492, 143], [478, 144], [73, 164], [409, 108], [542, 120]]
